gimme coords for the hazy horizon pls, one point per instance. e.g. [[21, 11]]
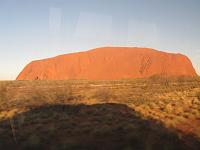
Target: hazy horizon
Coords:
[[32, 30]]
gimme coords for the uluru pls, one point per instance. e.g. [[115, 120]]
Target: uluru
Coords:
[[109, 63]]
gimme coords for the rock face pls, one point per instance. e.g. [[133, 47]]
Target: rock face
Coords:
[[109, 63]]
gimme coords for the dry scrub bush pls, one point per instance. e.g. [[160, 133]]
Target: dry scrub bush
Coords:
[[3, 91], [63, 94], [140, 100], [52, 95], [159, 79], [40, 95], [181, 79], [104, 95], [198, 95], [165, 80]]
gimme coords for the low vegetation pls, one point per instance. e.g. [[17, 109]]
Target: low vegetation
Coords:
[[104, 95], [198, 95], [3, 90], [154, 113]]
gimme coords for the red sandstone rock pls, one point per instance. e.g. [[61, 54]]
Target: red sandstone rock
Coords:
[[109, 63]]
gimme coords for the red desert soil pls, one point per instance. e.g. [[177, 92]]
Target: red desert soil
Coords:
[[109, 63]]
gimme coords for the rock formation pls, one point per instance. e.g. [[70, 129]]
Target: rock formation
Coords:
[[109, 63]]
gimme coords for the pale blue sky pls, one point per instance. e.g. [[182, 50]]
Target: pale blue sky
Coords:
[[35, 29]]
